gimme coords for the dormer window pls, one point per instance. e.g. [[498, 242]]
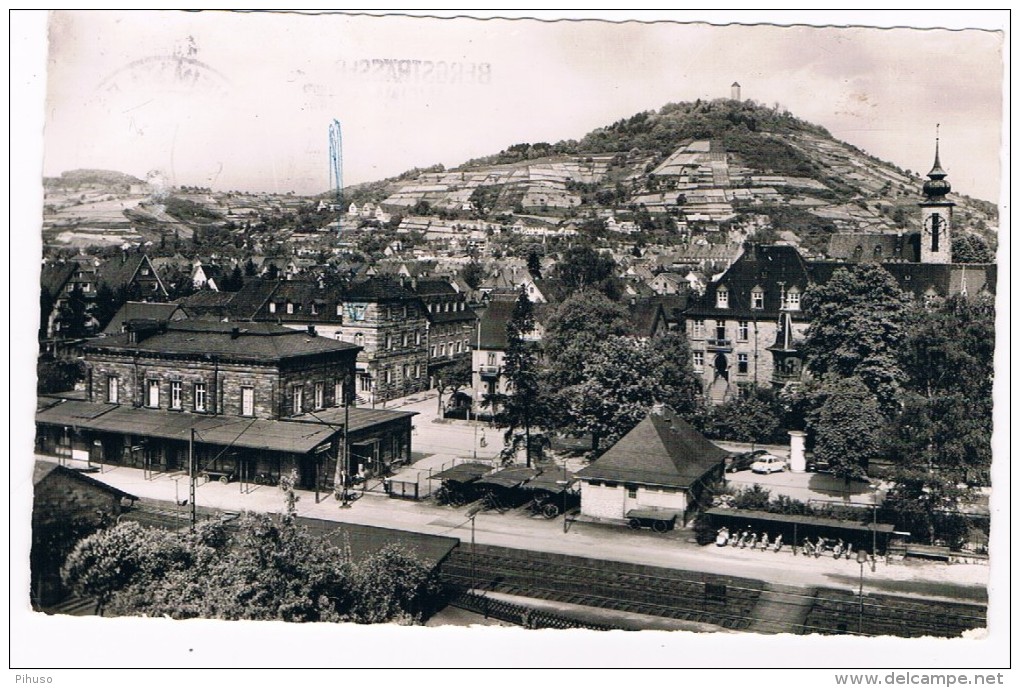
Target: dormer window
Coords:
[[290, 308], [793, 299], [722, 297], [758, 298], [272, 307], [339, 309]]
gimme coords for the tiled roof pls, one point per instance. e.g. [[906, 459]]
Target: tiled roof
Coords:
[[45, 468], [140, 310], [257, 342], [207, 303], [120, 271], [252, 296], [378, 289], [760, 266], [432, 287], [55, 276], [843, 246], [554, 290], [644, 316], [493, 324], [660, 450]]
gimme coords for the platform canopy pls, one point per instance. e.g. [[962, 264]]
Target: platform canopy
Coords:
[[463, 473], [812, 521], [250, 433], [515, 476]]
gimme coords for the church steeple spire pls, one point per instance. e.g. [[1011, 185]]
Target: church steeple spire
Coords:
[[936, 187], [936, 214]]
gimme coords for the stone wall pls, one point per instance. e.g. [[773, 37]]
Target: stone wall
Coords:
[[224, 383]]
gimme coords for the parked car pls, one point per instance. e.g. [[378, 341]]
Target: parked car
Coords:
[[742, 462], [769, 464], [817, 466]]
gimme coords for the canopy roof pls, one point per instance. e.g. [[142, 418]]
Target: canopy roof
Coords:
[[463, 473], [509, 477], [815, 521], [251, 433]]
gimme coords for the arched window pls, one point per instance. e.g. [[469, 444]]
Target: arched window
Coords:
[[858, 253]]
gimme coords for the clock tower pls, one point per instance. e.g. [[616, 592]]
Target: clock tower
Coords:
[[936, 215]]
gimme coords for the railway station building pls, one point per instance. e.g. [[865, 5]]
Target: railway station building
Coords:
[[248, 401]]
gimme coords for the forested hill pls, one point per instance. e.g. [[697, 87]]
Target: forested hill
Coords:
[[97, 178], [702, 165]]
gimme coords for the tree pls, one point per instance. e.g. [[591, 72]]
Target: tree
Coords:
[[46, 305], [847, 428], [942, 437], [857, 329], [392, 585], [107, 303], [681, 387], [234, 281], [578, 324], [473, 273], [72, 315], [106, 562], [453, 377], [754, 418], [948, 360], [264, 568], [583, 267], [618, 386], [521, 406], [249, 268], [970, 248], [58, 375], [534, 264]]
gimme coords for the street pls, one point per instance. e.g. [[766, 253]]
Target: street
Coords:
[[438, 444]]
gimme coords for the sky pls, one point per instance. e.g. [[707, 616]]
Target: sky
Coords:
[[244, 101]]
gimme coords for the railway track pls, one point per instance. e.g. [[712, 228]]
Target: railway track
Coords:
[[730, 602], [837, 612], [645, 590]]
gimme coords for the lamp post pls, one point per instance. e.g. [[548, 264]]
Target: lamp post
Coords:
[[472, 512], [566, 484], [862, 558]]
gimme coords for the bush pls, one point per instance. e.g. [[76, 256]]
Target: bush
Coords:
[[704, 531], [756, 498]]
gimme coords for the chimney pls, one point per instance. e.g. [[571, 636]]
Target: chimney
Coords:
[[311, 330], [235, 332], [414, 284]]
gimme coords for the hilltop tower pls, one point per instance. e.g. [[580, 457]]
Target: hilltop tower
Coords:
[[936, 214], [735, 91]]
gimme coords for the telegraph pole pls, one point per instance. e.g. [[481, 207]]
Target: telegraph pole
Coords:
[[191, 477]]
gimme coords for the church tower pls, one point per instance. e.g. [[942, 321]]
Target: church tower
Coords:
[[735, 91], [936, 214]]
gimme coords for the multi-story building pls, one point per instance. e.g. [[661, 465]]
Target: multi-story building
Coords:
[[388, 322], [451, 324], [747, 327]]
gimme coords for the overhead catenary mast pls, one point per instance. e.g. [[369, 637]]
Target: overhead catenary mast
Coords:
[[336, 169]]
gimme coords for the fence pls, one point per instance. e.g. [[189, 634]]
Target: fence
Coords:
[[521, 615]]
